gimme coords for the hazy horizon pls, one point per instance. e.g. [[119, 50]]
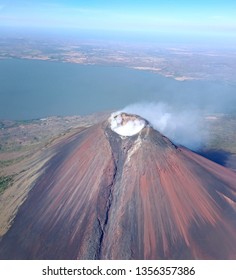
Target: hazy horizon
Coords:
[[203, 22]]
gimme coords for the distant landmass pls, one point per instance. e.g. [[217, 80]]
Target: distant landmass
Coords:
[[181, 63]]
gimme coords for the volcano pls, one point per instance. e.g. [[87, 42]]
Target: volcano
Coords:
[[121, 190]]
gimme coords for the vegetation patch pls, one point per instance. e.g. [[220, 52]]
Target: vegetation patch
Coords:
[[5, 182]]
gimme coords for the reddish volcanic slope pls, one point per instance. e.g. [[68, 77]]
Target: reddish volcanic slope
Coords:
[[103, 196]]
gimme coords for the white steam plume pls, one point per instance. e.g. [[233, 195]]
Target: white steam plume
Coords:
[[182, 127], [129, 128]]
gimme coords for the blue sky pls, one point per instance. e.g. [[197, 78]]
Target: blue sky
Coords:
[[173, 16]]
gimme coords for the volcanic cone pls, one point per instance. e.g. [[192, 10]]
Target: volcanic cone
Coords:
[[122, 190]]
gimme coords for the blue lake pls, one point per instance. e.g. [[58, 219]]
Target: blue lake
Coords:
[[35, 89]]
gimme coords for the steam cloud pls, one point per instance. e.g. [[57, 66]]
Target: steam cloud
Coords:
[[182, 127], [129, 128]]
